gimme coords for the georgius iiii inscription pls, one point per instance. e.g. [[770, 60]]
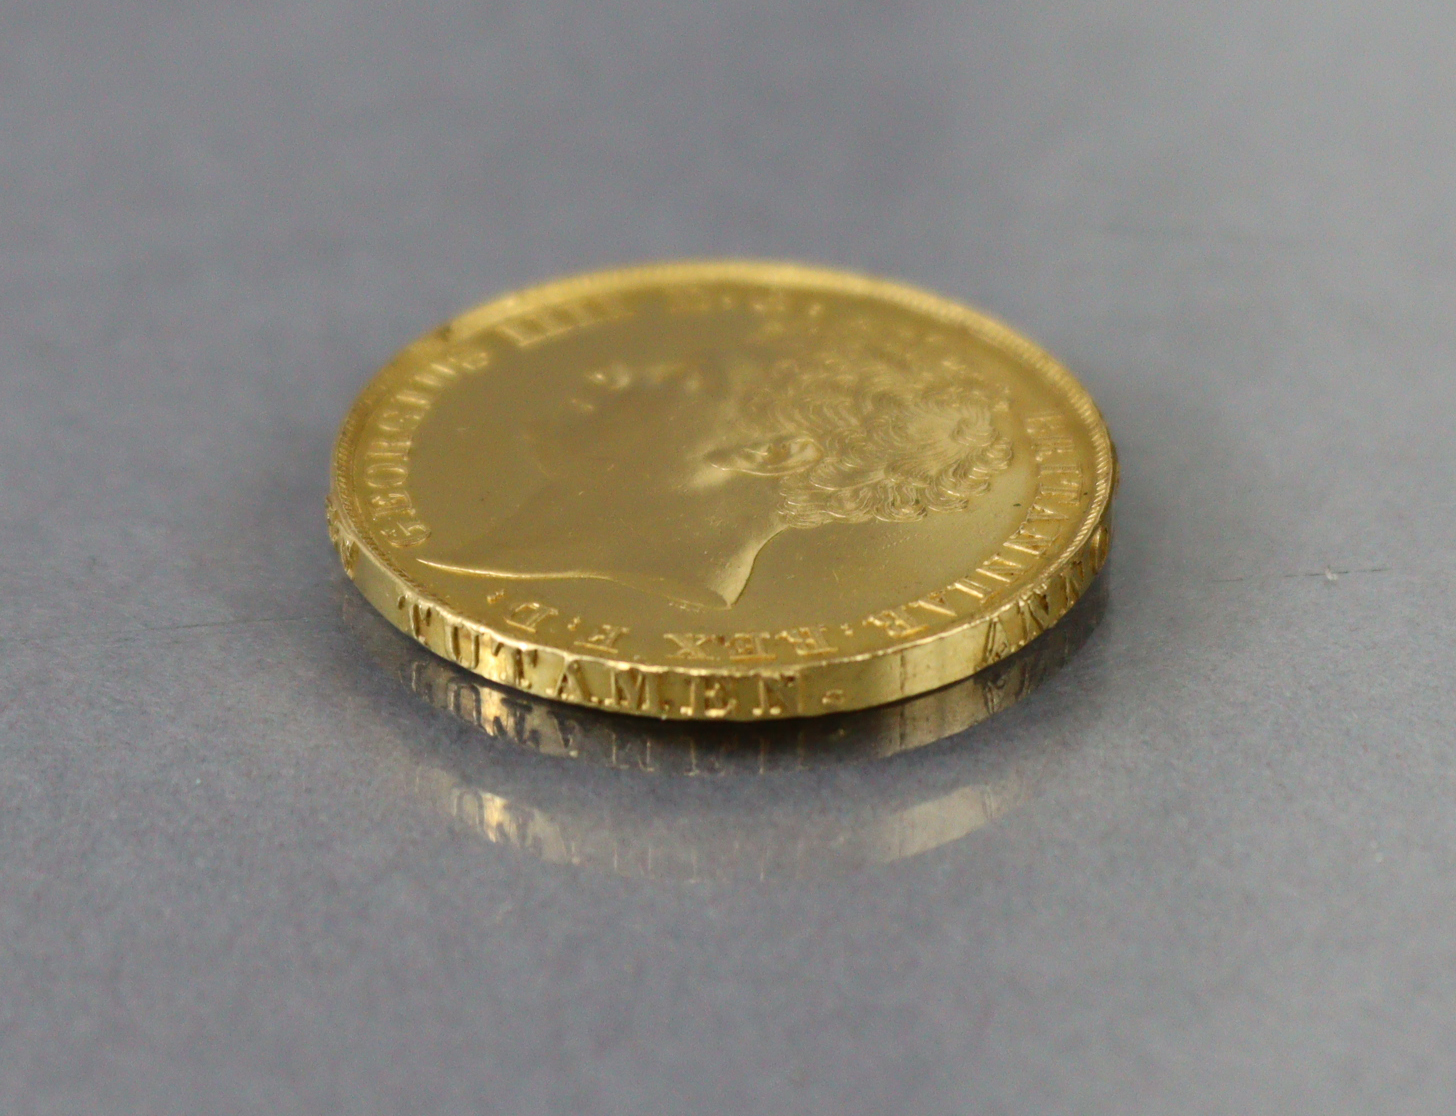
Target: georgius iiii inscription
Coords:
[[735, 491]]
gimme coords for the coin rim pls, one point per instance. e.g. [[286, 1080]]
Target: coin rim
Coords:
[[382, 581]]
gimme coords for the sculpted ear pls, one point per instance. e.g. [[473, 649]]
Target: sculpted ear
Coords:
[[769, 459]]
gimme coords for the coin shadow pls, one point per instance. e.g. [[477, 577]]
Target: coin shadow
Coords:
[[691, 801]]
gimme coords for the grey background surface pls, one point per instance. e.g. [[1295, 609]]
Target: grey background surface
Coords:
[[1233, 889]]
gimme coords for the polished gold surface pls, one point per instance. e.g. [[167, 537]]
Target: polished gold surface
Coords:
[[787, 800], [732, 491]]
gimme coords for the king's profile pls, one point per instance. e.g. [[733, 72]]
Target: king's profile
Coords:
[[670, 476]]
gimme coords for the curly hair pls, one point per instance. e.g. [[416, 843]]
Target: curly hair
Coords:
[[881, 438]]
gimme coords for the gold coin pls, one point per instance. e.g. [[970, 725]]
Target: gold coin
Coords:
[[723, 490]]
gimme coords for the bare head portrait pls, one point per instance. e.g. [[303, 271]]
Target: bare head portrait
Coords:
[[670, 476]]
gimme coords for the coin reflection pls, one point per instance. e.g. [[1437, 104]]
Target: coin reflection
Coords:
[[686, 800]]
